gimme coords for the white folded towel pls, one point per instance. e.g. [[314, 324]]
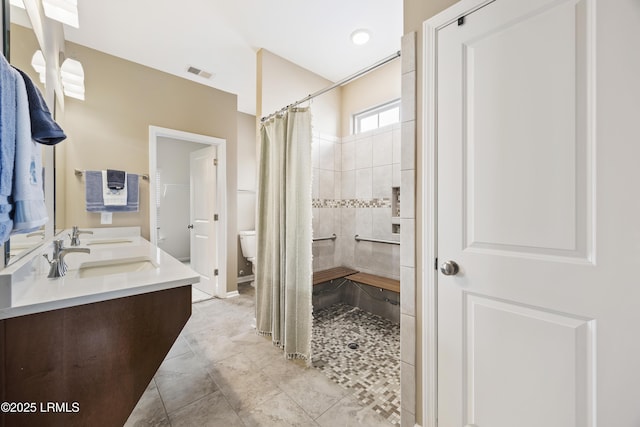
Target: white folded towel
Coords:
[[113, 197]]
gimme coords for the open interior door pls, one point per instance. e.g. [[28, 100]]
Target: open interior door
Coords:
[[203, 222]]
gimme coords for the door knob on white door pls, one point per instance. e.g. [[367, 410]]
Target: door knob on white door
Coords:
[[450, 268]]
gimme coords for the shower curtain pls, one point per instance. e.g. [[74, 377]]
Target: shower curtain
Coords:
[[284, 233]]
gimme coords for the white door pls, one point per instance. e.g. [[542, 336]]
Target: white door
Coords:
[[202, 208], [538, 190]]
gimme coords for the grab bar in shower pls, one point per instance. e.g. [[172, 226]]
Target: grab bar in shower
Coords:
[[317, 239], [364, 239]]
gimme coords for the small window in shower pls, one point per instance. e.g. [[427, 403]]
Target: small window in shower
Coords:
[[377, 117]]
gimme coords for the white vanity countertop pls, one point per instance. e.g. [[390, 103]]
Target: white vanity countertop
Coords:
[[32, 292]]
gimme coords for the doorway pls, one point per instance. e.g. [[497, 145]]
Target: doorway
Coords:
[[176, 205]]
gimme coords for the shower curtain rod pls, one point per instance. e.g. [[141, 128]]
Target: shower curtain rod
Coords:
[[335, 85]]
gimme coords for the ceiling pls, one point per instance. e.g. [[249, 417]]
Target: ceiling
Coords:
[[222, 37]]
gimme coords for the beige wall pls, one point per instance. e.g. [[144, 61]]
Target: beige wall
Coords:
[[110, 129], [247, 171], [247, 163], [281, 83], [374, 88], [415, 13]]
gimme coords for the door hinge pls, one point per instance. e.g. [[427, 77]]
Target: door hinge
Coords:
[[215, 272], [215, 217], [215, 162], [435, 264], [461, 21]]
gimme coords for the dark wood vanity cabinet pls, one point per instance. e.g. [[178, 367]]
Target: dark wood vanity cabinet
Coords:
[[87, 365]]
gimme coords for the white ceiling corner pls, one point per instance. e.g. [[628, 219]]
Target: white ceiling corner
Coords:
[[222, 37]]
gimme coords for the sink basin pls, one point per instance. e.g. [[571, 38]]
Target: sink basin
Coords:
[[108, 241], [115, 266]]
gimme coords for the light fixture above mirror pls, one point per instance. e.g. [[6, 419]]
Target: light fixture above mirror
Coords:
[[38, 63], [72, 76]]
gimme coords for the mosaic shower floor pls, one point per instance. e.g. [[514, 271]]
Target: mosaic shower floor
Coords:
[[372, 370]]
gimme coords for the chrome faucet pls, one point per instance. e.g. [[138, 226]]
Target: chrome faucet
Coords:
[[75, 235], [57, 266]]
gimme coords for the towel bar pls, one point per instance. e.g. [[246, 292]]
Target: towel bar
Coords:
[[332, 237], [145, 176], [364, 239]]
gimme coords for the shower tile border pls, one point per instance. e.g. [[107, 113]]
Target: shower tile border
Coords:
[[351, 203]]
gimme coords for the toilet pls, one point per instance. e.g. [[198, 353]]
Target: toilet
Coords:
[[248, 247]]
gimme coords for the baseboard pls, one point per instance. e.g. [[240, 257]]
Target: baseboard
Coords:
[[245, 279], [232, 294]]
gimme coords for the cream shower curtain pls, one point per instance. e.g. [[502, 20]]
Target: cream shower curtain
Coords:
[[284, 264]]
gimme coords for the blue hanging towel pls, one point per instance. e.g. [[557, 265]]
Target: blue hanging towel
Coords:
[[8, 79], [116, 179], [43, 128], [94, 193]]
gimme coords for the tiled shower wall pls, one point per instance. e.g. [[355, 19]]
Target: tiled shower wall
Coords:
[[326, 154], [353, 179]]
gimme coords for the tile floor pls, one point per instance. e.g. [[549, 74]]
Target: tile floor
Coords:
[[220, 373], [197, 295], [372, 370]]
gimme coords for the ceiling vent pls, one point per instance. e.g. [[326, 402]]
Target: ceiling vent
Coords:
[[199, 72]]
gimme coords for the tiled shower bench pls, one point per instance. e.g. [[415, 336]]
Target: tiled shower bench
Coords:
[[375, 294]]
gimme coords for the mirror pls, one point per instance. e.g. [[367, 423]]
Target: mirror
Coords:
[[23, 44], [110, 129]]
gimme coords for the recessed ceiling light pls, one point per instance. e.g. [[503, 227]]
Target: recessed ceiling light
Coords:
[[360, 36]]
